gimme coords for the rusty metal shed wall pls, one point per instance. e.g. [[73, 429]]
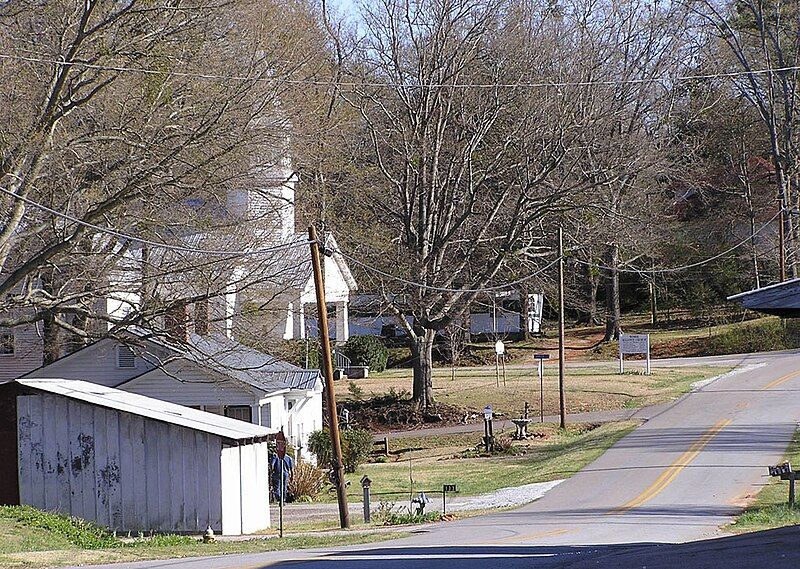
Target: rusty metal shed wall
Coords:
[[126, 471]]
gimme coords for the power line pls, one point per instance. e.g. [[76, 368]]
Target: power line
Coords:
[[683, 267], [156, 244], [305, 242], [443, 289], [395, 85]]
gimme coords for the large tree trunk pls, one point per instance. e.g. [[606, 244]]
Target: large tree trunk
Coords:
[[422, 352], [588, 315], [793, 231], [51, 336], [653, 302], [613, 314]]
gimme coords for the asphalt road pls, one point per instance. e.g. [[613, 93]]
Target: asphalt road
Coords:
[[674, 480]]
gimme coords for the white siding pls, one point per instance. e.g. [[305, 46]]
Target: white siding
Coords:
[[96, 363], [195, 387], [245, 489], [304, 418], [230, 480], [122, 470], [336, 287], [28, 352]]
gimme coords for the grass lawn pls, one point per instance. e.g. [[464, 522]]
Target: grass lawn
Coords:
[[593, 388], [23, 545], [771, 509], [436, 460]]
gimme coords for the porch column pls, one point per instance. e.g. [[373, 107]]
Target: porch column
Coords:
[[342, 323], [298, 320]]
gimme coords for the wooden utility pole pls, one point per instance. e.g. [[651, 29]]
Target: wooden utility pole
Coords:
[[327, 370], [561, 399]]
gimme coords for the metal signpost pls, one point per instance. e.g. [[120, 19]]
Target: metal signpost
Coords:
[[540, 361], [280, 450], [634, 344]]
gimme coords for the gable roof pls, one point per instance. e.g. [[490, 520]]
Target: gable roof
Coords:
[[237, 361], [148, 407], [296, 261], [780, 299]]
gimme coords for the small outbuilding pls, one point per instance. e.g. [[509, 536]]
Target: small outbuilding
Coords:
[[130, 462]]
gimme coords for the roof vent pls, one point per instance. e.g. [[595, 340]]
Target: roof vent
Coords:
[[125, 357]]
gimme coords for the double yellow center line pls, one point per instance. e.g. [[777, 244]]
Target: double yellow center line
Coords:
[[673, 470], [780, 380], [686, 458]]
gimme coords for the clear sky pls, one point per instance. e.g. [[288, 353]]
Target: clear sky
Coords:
[[348, 7]]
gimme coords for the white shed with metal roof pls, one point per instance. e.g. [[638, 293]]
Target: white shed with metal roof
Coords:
[[134, 463]]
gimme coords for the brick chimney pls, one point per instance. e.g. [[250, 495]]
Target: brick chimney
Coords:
[[201, 317], [176, 321]]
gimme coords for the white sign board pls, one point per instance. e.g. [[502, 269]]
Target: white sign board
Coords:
[[535, 309], [634, 344], [499, 348]]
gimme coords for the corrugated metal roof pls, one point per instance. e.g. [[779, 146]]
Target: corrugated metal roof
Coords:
[[781, 299], [233, 359], [148, 407]]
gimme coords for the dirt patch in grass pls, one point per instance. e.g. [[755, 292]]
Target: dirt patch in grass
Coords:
[[395, 411]]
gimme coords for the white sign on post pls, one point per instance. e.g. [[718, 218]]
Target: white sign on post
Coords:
[[634, 344], [499, 348]]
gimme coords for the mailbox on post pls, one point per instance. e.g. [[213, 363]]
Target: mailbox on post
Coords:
[[365, 484], [785, 472], [445, 489], [488, 434]]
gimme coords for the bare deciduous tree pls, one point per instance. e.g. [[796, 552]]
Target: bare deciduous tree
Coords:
[[143, 118], [465, 160]]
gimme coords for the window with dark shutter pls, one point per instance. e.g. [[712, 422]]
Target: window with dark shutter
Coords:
[[241, 412], [6, 344]]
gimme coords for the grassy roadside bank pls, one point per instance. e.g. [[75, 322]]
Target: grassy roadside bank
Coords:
[[453, 459], [30, 539], [770, 508]]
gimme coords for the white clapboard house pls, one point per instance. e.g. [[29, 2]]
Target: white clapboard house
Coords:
[[209, 373]]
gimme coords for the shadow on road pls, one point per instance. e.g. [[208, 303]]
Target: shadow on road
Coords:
[[737, 439], [779, 547]]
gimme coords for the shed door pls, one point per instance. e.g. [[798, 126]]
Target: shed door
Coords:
[[9, 489]]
